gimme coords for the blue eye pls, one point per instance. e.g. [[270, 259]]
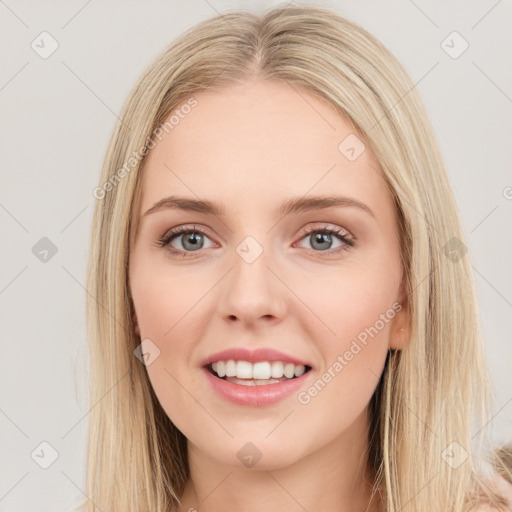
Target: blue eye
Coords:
[[193, 240], [324, 235]]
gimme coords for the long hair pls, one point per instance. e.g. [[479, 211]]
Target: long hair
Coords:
[[427, 439]]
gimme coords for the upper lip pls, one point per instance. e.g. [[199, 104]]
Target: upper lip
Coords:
[[252, 356]]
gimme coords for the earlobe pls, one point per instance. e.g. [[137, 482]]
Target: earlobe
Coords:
[[400, 332], [400, 339]]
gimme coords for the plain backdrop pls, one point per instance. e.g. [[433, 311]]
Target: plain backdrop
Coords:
[[57, 117]]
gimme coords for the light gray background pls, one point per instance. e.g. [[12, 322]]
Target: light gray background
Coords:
[[57, 117]]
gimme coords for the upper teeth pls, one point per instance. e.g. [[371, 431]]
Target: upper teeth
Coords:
[[259, 370]]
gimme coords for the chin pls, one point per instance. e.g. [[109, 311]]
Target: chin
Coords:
[[256, 454]]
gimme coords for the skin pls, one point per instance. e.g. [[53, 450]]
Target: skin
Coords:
[[251, 147]]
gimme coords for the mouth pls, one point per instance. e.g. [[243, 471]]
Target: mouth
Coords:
[[259, 373]]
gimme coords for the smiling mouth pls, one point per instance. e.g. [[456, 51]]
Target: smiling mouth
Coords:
[[256, 374]]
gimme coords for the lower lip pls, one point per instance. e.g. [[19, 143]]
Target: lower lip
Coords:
[[256, 396]]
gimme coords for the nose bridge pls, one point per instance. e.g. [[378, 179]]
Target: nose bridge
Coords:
[[251, 262], [252, 290]]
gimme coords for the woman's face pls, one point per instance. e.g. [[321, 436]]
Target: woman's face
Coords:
[[321, 285]]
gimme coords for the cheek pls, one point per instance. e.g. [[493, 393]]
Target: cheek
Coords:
[[351, 302], [166, 302], [351, 331], [352, 359], [171, 314], [335, 310]]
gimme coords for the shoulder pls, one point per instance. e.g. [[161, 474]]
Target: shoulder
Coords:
[[503, 488]]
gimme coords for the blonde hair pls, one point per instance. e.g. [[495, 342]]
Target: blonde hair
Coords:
[[429, 392]]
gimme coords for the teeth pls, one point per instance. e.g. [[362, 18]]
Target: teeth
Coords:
[[221, 368], [260, 371], [289, 370], [299, 370], [277, 370], [243, 370], [254, 382], [231, 368]]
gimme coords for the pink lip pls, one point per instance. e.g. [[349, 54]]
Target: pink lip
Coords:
[[252, 356], [255, 396]]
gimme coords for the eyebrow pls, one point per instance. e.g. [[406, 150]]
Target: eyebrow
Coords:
[[294, 205]]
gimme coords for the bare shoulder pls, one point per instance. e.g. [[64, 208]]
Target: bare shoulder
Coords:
[[504, 489]]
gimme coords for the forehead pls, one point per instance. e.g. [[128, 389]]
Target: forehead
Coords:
[[260, 142]]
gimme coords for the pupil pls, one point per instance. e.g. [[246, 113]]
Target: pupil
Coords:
[[194, 239], [321, 238]]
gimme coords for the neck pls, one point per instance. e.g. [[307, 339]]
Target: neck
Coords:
[[333, 478]]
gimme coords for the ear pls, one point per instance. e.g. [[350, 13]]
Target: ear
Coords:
[[136, 327], [400, 326], [135, 322]]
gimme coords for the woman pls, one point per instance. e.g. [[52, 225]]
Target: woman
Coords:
[[282, 313]]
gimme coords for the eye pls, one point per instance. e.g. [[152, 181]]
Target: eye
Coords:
[[321, 239], [192, 239]]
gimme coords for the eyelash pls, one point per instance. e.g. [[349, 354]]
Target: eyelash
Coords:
[[169, 236]]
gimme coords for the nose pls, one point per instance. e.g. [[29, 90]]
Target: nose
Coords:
[[252, 292]]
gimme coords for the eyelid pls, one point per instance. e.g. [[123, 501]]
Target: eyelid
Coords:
[[346, 238], [325, 226], [171, 234]]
